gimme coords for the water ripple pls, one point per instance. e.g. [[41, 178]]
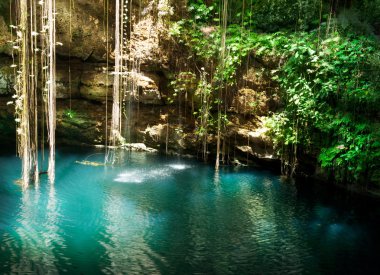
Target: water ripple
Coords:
[[176, 217]]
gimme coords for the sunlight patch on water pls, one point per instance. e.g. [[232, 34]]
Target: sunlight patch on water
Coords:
[[162, 215], [179, 166], [142, 175]]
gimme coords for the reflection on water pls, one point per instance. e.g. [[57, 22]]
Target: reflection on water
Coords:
[[124, 238], [37, 233], [182, 217]]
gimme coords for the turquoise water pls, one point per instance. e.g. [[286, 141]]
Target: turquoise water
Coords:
[[160, 215]]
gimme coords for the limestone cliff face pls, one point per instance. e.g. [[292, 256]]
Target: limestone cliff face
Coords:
[[81, 29], [84, 84], [82, 32]]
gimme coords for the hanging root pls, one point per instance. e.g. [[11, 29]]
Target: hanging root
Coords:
[[51, 102], [26, 92], [119, 85], [28, 28], [116, 110]]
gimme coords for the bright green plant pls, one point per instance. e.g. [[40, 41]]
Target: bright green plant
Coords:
[[69, 113], [327, 75], [328, 92]]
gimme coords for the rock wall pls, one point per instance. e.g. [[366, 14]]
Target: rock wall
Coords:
[[84, 86]]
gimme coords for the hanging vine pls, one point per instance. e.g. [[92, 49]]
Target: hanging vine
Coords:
[[116, 112], [126, 74], [49, 10], [221, 87], [26, 102], [27, 47]]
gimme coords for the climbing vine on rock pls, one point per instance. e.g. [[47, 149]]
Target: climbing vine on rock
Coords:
[[327, 76]]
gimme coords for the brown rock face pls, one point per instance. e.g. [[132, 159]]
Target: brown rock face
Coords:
[[6, 77], [5, 35], [81, 29], [250, 102], [84, 82], [68, 79], [95, 84]]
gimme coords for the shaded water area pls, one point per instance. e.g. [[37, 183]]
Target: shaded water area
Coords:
[[161, 215]]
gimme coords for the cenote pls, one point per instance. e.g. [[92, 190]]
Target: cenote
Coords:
[[167, 215], [153, 117]]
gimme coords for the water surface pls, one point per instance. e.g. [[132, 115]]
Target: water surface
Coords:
[[161, 215]]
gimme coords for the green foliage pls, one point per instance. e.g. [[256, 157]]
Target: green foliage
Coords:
[[204, 116], [4, 4], [329, 92], [183, 83], [4, 10], [263, 15], [369, 10], [204, 43], [203, 13], [70, 114], [355, 150], [328, 74], [274, 15], [349, 21]]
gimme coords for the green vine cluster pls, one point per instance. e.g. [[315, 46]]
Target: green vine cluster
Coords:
[[327, 69], [330, 94]]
